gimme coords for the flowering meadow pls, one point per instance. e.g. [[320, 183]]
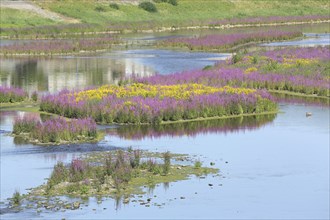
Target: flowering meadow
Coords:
[[303, 70], [56, 130], [49, 47], [10, 94], [145, 104], [225, 42]]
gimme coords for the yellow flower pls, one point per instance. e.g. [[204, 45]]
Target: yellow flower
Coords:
[[181, 91], [250, 70]]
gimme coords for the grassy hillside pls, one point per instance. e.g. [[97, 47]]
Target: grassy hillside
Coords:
[[13, 18], [185, 11], [97, 15]]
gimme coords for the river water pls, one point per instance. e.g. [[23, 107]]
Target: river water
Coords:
[[271, 167]]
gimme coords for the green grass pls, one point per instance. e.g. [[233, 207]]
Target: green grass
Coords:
[[96, 15], [13, 18], [186, 11]]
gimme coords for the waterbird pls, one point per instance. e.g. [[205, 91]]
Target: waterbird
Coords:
[[308, 114]]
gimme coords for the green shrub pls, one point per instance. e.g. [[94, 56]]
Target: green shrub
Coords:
[[114, 6], [167, 162], [173, 2], [148, 6], [198, 164], [100, 8], [60, 174], [16, 199], [34, 96], [236, 58]]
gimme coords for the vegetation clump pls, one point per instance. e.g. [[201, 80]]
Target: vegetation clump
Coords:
[[148, 6], [154, 104], [58, 46], [299, 71], [100, 8], [114, 173], [11, 95], [34, 96], [17, 198], [55, 130], [226, 42], [114, 6]]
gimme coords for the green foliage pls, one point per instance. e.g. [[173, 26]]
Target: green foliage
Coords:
[[24, 126], [84, 189], [34, 96], [271, 65], [100, 8], [208, 67], [255, 59], [74, 187], [60, 174], [135, 158], [124, 180], [114, 6], [16, 199], [167, 162], [237, 58], [148, 6], [173, 2], [197, 164]]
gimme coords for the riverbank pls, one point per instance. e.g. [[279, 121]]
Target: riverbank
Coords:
[[94, 16]]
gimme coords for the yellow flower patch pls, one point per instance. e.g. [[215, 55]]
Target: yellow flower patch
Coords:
[[181, 91]]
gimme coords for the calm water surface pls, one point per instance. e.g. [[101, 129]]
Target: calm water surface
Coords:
[[276, 169], [310, 40]]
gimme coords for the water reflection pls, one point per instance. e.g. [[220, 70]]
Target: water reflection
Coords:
[[310, 40], [292, 99], [192, 128], [54, 74]]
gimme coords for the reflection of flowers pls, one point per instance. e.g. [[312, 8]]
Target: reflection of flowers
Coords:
[[192, 128]]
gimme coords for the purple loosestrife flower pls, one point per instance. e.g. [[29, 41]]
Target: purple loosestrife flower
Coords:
[[10, 94]]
